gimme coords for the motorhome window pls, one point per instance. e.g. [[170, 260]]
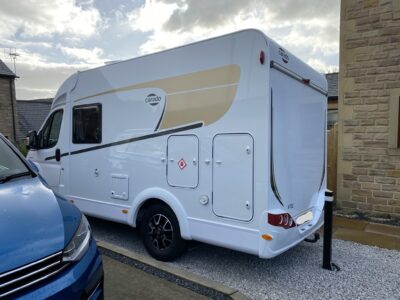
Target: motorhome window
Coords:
[[48, 136], [87, 124], [55, 129]]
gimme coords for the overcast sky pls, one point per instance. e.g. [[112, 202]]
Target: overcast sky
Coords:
[[56, 38]]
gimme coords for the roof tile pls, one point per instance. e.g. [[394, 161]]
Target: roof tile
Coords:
[[5, 71]]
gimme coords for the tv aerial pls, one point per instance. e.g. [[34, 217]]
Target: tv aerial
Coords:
[[13, 55]]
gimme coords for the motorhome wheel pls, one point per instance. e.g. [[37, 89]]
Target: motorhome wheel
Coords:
[[160, 233]]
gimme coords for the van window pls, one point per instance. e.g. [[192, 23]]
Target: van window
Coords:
[[87, 124], [48, 136]]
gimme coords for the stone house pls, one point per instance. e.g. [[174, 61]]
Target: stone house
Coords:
[[369, 121], [8, 111]]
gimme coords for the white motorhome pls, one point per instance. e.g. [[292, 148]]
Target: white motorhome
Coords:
[[220, 141]]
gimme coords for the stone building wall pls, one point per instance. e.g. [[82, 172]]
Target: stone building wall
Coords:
[[369, 91], [7, 121]]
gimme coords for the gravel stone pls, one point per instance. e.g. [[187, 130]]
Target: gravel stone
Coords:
[[365, 272]]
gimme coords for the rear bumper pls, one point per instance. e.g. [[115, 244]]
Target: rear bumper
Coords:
[[284, 239], [82, 280]]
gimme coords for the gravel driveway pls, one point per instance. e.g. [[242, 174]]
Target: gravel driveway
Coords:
[[366, 272]]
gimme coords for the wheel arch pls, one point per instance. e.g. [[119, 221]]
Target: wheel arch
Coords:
[[157, 195]]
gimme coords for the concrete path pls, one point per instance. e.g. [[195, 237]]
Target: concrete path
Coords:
[[367, 233], [125, 282]]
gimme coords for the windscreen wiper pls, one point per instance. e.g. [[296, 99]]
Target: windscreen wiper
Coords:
[[13, 176]]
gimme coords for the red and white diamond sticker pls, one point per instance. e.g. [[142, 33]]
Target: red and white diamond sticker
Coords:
[[182, 164]]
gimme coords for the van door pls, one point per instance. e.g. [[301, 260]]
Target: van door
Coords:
[[233, 176], [298, 139], [183, 156], [45, 156]]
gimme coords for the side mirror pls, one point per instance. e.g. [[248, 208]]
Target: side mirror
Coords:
[[58, 155], [32, 140]]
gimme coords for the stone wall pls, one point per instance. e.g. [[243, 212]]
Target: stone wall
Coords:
[[6, 117], [368, 169]]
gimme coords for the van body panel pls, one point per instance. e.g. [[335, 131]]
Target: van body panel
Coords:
[[298, 144], [233, 194]]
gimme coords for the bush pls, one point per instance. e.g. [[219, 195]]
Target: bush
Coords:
[[22, 148]]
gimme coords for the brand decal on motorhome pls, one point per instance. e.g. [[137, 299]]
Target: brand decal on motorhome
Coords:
[[285, 56], [152, 99]]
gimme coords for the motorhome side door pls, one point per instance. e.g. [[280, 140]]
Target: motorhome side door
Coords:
[[183, 156], [46, 155], [233, 176]]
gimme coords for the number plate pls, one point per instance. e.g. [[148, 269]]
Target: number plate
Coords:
[[308, 216]]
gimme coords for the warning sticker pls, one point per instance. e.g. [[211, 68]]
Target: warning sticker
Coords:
[[182, 164]]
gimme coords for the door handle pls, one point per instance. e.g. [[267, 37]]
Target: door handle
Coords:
[[218, 162], [58, 155]]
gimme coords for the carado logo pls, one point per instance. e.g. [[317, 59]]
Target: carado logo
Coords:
[[285, 56], [152, 99]]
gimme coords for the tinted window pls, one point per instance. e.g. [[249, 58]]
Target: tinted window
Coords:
[[48, 136], [87, 124]]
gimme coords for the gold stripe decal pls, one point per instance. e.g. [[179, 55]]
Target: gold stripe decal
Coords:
[[205, 106], [203, 96]]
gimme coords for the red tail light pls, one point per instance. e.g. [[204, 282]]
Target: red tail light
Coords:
[[262, 57], [281, 220]]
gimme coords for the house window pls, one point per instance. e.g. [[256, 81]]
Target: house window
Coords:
[[48, 136], [87, 124], [332, 117]]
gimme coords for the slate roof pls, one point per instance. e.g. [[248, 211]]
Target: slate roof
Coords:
[[5, 71], [31, 115], [332, 79]]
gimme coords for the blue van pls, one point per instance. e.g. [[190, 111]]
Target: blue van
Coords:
[[46, 246]]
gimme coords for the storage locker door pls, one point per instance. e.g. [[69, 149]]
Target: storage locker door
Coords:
[[183, 156], [233, 176]]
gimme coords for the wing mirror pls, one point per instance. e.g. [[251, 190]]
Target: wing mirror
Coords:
[[32, 141]]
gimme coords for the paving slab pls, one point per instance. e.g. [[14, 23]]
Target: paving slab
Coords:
[[122, 281], [393, 231], [199, 284], [343, 222]]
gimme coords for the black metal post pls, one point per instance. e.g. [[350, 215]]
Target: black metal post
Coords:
[[328, 220]]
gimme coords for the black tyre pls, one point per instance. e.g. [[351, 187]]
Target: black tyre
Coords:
[[160, 233]]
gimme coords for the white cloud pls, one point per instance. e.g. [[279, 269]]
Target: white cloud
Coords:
[[322, 66], [56, 38], [39, 77], [90, 56], [151, 16], [47, 17], [309, 29], [43, 32]]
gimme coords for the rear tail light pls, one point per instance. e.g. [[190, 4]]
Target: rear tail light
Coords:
[[281, 220], [262, 57]]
